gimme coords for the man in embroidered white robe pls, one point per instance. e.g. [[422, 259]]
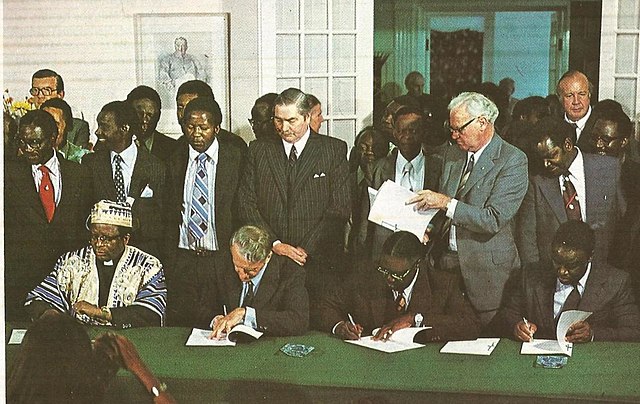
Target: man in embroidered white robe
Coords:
[[107, 282]]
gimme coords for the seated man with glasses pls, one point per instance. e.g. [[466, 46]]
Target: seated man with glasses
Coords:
[[107, 282], [47, 84], [402, 291]]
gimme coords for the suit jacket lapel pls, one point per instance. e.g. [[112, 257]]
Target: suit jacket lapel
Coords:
[[140, 168], [179, 163], [421, 294], [550, 188], [483, 165], [268, 283], [27, 188], [277, 161], [224, 175], [105, 174], [592, 197], [593, 290], [456, 159], [306, 163]]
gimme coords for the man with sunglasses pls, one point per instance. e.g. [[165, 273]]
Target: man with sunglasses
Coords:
[[45, 200], [107, 282], [400, 291], [47, 84], [483, 182]]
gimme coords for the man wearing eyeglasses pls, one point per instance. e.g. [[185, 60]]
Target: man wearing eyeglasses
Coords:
[[47, 84], [44, 204], [483, 182], [401, 291], [107, 282]]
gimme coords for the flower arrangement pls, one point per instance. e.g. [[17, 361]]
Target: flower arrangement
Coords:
[[16, 109]]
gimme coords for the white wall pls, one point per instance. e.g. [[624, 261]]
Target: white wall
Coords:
[[92, 45]]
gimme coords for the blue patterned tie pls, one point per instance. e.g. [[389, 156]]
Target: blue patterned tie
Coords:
[[118, 179], [199, 214]]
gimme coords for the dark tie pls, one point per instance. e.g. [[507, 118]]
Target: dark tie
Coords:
[[405, 181], [47, 196], [465, 175], [118, 179], [293, 156], [401, 303], [199, 213], [571, 203], [573, 300], [248, 297]]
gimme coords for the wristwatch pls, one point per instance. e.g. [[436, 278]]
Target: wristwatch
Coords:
[[418, 319]]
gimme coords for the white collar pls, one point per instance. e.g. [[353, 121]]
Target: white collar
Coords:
[[300, 144]]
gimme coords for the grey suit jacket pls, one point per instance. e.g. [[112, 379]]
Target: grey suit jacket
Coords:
[[607, 294], [484, 217], [148, 172], [313, 213], [543, 211], [371, 235]]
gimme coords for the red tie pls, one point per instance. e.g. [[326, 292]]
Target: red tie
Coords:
[[47, 195]]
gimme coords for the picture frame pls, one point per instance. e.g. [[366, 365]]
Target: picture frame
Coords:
[[174, 48]]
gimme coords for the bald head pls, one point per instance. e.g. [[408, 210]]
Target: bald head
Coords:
[[574, 92]]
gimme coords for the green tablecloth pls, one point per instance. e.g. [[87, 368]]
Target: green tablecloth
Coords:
[[337, 371]]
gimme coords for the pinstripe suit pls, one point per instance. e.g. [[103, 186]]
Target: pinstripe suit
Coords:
[[313, 213]]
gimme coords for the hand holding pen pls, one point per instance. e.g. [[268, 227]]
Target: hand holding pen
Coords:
[[524, 330], [349, 329]]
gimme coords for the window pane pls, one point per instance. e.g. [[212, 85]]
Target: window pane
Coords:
[[344, 96], [344, 129], [287, 15], [283, 84], [344, 53], [625, 93], [315, 14], [315, 53], [628, 14], [319, 87], [288, 54], [344, 14], [626, 53]]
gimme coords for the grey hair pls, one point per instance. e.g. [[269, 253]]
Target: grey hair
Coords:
[[476, 105], [253, 243], [293, 96]]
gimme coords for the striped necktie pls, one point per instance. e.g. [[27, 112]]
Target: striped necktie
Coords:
[[199, 212]]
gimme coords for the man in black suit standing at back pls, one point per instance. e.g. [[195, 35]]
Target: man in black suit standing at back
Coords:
[[146, 102], [45, 206], [297, 188], [123, 172], [203, 178]]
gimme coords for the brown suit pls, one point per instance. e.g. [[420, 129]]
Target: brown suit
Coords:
[[436, 295]]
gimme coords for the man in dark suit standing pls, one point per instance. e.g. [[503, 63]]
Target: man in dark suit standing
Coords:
[[265, 293], [573, 282], [404, 292], [483, 182], [45, 207], [407, 165], [297, 189], [574, 92], [146, 102], [574, 185], [123, 172], [204, 175]]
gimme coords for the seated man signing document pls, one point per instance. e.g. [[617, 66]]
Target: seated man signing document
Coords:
[[400, 292], [573, 282], [266, 292]]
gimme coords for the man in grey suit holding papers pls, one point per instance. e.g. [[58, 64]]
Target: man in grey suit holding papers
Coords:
[[483, 182]]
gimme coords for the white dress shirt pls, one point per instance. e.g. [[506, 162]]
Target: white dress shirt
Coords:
[[129, 156], [563, 291], [300, 144], [54, 174], [210, 240], [580, 123], [417, 174]]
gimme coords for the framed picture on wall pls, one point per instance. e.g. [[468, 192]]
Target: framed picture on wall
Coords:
[[174, 48]]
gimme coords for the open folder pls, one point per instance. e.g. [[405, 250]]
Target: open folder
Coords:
[[559, 345], [401, 340], [388, 209]]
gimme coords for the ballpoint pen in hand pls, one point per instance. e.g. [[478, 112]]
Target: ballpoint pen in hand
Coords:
[[528, 328]]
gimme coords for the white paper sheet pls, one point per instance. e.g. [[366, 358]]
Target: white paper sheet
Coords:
[[480, 346], [401, 340], [16, 337], [558, 346], [389, 210], [200, 337]]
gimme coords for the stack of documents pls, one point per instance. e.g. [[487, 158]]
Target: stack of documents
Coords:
[[559, 345]]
